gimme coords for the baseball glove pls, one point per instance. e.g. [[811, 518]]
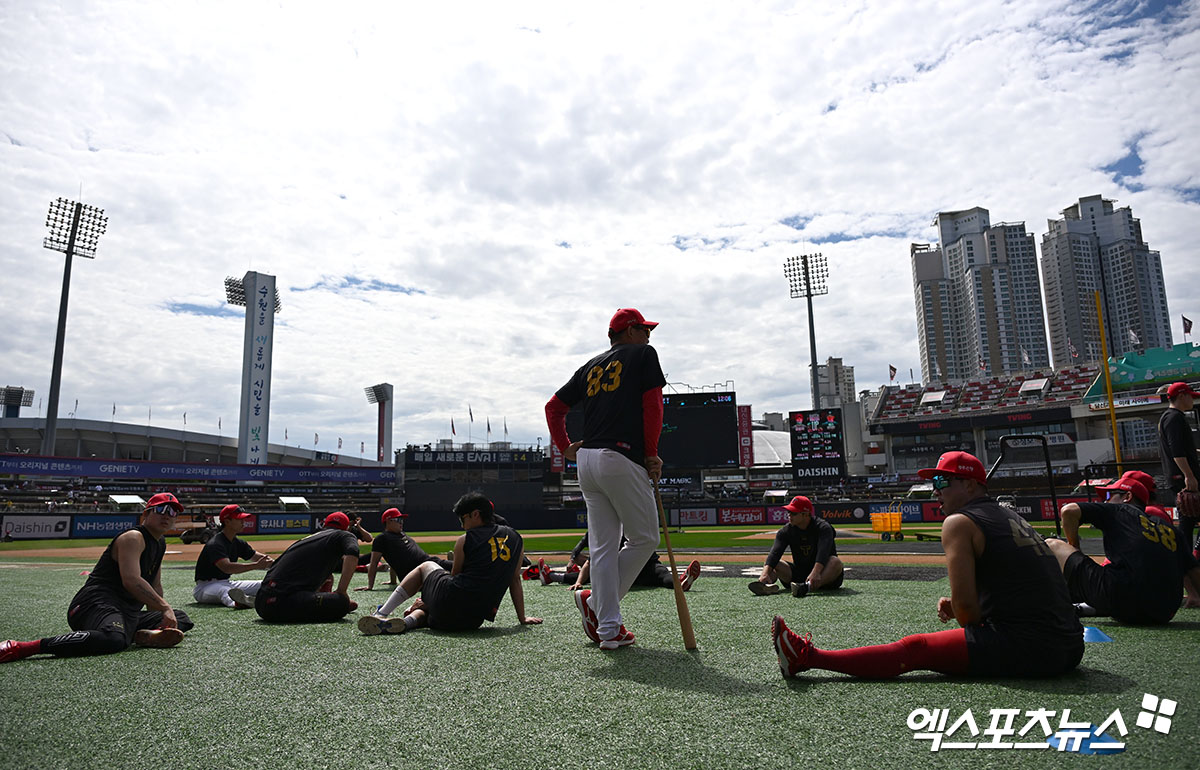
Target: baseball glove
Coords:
[[1188, 504]]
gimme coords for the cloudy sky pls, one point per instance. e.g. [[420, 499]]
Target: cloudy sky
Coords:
[[455, 199]]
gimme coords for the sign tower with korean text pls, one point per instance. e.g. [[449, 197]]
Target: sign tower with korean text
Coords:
[[256, 291]]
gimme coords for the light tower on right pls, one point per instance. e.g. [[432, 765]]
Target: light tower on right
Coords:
[[1098, 247]]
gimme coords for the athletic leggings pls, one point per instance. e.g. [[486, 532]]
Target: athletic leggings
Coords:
[[941, 651], [301, 606], [102, 629]]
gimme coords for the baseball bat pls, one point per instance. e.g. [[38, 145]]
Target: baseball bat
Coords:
[[681, 606]]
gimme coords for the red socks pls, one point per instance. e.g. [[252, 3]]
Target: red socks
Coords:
[[941, 651]]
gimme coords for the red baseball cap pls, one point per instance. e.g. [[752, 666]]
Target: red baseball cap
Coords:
[[1135, 488], [337, 520], [961, 464], [1179, 389], [1154, 510], [164, 498], [393, 513], [1141, 477], [233, 512], [626, 317], [799, 504]]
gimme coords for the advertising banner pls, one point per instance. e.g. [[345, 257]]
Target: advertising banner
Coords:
[[909, 512], [138, 469], [932, 511], [740, 515], [843, 513], [280, 523], [692, 517], [102, 526], [36, 527], [1047, 506], [745, 437], [777, 515]]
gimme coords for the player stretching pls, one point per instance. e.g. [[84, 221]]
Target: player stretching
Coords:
[[294, 590], [218, 562], [621, 391], [1006, 591], [485, 565], [107, 614], [814, 554]]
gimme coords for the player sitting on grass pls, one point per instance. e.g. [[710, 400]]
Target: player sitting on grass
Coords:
[[398, 550], [486, 558], [654, 575], [294, 590], [107, 614], [811, 540], [1006, 591], [1149, 562], [218, 562]]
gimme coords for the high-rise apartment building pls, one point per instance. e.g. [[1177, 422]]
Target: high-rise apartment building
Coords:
[[835, 383], [1096, 247], [979, 307]]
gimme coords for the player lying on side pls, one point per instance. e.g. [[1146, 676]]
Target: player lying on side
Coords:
[[486, 558], [218, 563], [654, 574], [1006, 592], [294, 590], [106, 615], [1149, 564], [814, 554]]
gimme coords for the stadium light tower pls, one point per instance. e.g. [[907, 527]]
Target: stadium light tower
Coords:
[[75, 229], [382, 394], [256, 292], [13, 398], [807, 275]]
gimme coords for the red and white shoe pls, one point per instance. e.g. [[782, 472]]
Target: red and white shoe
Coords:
[[543, 572], [12, 650], [585, 612], [622, 639], [791, 649], [572, 567], [531, 572], [689, 577]]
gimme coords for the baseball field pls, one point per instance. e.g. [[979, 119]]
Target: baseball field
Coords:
[[240, 693]]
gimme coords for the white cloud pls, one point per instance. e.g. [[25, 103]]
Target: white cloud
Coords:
[[450, 151]]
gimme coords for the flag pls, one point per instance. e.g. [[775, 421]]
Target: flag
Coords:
[[75, 408], [284, 430], [339, 442], [149, 411], [489, 428], [1071, 347], [316, 438], [114, 409], [1133, 339], [1187, 324], [891, 373], [470, 414], [982, 365], [362, 447], [1025, 357], [452, 433], [505, 428], [185, 418]]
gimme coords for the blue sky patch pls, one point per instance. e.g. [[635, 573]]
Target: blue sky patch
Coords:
[[220, 311], [796, 221], [339, 283]]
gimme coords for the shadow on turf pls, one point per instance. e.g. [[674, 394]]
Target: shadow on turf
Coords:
[[1081, 681], [682, 671]]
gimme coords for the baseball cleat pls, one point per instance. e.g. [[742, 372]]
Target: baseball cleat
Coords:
[[799, 589], [1084, 610], [689, 577], [791, 649], [759, 588], [10, 651], [543, 572], [374, 625], [240, 600], [622, 639], [585, 612], [158, 637], [572, 567]]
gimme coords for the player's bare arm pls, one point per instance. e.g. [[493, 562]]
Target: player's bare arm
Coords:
[[372, 568], [516, 590], [1189, 479], [959, 536], [460, 555], [1191, 585], [1070, 514], [236, 567], [128, 548], [349, 565]]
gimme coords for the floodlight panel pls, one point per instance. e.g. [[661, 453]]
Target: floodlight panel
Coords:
[[235, 291]]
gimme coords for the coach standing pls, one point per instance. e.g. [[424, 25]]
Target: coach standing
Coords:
[[1178, 451], [621, 391]]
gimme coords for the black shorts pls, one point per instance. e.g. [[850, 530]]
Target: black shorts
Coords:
[[1111, 592], [301, 606], [994, 650], [448, 607], [841, 578]]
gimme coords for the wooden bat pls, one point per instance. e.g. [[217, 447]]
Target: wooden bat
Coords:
[[681, 606]]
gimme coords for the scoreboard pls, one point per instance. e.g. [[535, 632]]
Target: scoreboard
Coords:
[[818, 445]]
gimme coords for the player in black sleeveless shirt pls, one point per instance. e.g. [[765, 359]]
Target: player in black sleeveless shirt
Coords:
[[106, 614], [1006, 592], [486, 559]]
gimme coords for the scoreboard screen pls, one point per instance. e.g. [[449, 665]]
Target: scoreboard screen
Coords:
[[818, 445], [699, 430]]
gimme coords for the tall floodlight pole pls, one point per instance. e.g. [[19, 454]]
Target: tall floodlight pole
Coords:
[[256, 291], [382, 394], [13, 398], [807, 275], [74, 230]]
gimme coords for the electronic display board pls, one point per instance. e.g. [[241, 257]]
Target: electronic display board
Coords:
[[818, 445]]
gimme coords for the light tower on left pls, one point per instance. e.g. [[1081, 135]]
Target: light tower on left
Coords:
[[75, 229], [12, 398]]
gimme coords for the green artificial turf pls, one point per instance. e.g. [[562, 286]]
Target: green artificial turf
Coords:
[[240, 693]]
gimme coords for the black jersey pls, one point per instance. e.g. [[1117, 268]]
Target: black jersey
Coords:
[[1147, 555], [400, 552], [611, 387], [105, 578], [489, 561], [809, 546], [1021, 587], [220, 547], [308, 562], [1175, 440]]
